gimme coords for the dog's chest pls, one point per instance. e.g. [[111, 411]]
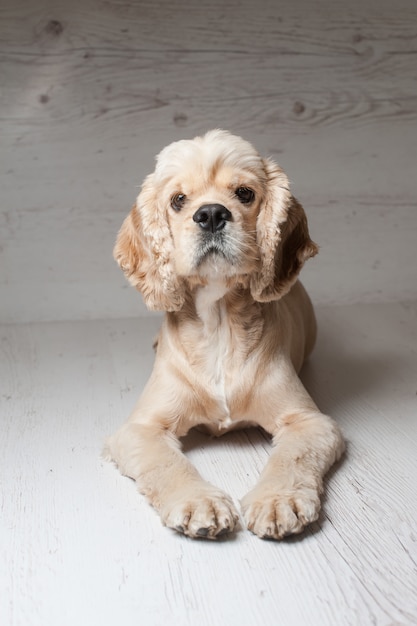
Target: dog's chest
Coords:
[[218, 356]]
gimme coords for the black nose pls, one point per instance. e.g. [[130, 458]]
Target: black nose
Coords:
[[212, 217]]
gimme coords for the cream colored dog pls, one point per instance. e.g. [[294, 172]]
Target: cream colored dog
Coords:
[[217, 241]]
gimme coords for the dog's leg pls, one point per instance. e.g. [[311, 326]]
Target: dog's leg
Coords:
[[152, 456], [287, 496]]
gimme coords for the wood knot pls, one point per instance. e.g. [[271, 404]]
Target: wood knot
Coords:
[[180, 119], [54, 28], [298, 108]]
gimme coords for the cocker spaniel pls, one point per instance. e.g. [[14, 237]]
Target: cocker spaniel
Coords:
[[216, 240]]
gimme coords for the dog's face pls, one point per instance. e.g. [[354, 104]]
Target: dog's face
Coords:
[[211, 190], [213, 208]]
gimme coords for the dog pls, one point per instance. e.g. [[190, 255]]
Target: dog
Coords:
[[217, 241]]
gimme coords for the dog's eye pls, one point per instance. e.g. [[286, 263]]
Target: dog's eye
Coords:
[[177, 201], [245, 195]]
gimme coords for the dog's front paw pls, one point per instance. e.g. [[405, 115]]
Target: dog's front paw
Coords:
[[200, 512], [272, 515]]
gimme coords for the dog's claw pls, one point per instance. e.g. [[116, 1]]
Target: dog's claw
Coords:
[[208, 514]]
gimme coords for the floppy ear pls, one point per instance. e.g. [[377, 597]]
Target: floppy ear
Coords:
[[282, 236], [143, 250]]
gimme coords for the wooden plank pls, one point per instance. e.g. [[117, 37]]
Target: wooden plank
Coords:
[[79, 545], [297, 74], [91, 91]]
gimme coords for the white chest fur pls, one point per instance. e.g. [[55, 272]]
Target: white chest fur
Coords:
[[211, 309]]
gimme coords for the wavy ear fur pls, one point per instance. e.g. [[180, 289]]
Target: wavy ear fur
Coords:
[[143, 250], [283, 238]]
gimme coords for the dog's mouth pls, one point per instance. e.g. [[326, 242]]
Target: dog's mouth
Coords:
[[212, 248]]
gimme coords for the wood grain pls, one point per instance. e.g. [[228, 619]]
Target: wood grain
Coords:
[[90, 91], [79, 545]]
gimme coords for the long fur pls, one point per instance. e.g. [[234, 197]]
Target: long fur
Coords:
[[237, 329]]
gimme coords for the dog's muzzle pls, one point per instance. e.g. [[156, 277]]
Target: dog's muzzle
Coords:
[[214, 240], [212, 217]]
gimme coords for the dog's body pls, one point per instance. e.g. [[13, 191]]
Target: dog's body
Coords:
[[217, 240]]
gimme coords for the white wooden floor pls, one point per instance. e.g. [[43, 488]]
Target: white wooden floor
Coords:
[[79, 546]]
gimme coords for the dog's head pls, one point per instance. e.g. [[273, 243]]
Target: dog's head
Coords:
[[213, 208]]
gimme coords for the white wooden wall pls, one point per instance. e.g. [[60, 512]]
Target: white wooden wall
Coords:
[[90, 90]]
